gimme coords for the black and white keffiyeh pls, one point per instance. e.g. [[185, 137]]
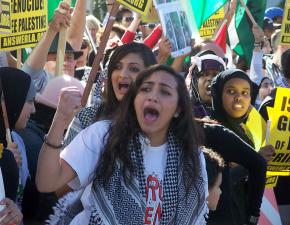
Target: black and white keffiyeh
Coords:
[[119, 203]]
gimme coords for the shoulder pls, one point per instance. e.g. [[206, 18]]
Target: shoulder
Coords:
[[97, 129]]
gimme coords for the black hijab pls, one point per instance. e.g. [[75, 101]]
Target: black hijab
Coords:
[[219, 113], [16, 86]]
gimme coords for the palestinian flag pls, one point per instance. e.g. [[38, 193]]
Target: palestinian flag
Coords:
[[198, 11], [221, 37], [240, 36]]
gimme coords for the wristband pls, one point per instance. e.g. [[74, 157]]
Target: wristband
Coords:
[[258, 44], [50, 144], [253, 220]]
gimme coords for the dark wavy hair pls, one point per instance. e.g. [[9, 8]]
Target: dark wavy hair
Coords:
[[125, 127], [111, 103]]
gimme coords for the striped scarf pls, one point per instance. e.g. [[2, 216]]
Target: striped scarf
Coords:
[[119, 203]]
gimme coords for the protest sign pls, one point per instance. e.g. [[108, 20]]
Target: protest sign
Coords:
[[175, 26], [280, 133], [152, 16], [255, 128], [271, 181], [285, 27], [28, 23], [5, 16], [209, 27], [139, 6]]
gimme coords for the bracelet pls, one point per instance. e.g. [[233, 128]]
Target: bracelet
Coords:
[[52, 145], [258, 44], [253, 220]]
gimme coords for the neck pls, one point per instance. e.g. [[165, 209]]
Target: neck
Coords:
[[157, 139]]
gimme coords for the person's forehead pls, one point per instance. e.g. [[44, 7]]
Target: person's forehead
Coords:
[[54, 55]]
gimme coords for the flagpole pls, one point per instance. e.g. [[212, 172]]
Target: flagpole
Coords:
[[61, 48], [100, 52], [249, 13], [6, 122]]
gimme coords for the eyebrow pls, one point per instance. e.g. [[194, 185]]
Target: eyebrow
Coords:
[[131, 63], [162, 84], [235, 87]]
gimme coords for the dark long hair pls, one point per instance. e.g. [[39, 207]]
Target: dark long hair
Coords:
[[125, 127], [111, 103]]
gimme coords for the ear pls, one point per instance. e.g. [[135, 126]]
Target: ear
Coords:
[[176, 114]]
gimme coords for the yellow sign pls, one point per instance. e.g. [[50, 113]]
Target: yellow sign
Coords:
[[285, 27], [256, 128], [152, 16], [5, 16], [209, 26], [280, 132], [139, 6], [271, 181], [28, 23]]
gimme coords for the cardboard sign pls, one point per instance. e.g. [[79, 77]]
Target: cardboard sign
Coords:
[[280, 133], [152, 16], [5, 16], [285, 27], [256, 128], [28, 23], [208, 28], [139, 6]]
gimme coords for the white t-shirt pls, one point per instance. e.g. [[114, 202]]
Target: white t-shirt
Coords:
[[83, 153], [154, 163]]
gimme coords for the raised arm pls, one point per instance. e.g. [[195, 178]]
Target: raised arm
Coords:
[[130, 32], [256, 69], [77, 28], [53, 172]]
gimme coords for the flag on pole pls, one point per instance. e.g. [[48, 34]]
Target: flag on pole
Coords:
[[241, 38], [269, 209], [221, 36], [198, 11], [52, 5]]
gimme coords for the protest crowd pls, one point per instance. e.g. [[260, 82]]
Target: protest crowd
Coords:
[[142, 120]]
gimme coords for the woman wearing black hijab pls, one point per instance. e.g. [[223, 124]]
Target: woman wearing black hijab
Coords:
[[17, 93], [232, 95]]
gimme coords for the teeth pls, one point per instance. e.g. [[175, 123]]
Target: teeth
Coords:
[[238, 106], [123, 86], [151, 114]]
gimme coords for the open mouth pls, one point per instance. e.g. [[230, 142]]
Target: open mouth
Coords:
[[238, 107], [150, 114], [208, 89], [123, 87]]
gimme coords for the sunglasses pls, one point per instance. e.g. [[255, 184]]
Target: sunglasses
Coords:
[[150, 25], [129, 19]]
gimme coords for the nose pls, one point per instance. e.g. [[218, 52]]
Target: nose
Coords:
[[153, 97], [124, 72], [270, 88], [237, 97]]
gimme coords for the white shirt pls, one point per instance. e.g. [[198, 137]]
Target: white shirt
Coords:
[[155, 164], [83, 154]]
